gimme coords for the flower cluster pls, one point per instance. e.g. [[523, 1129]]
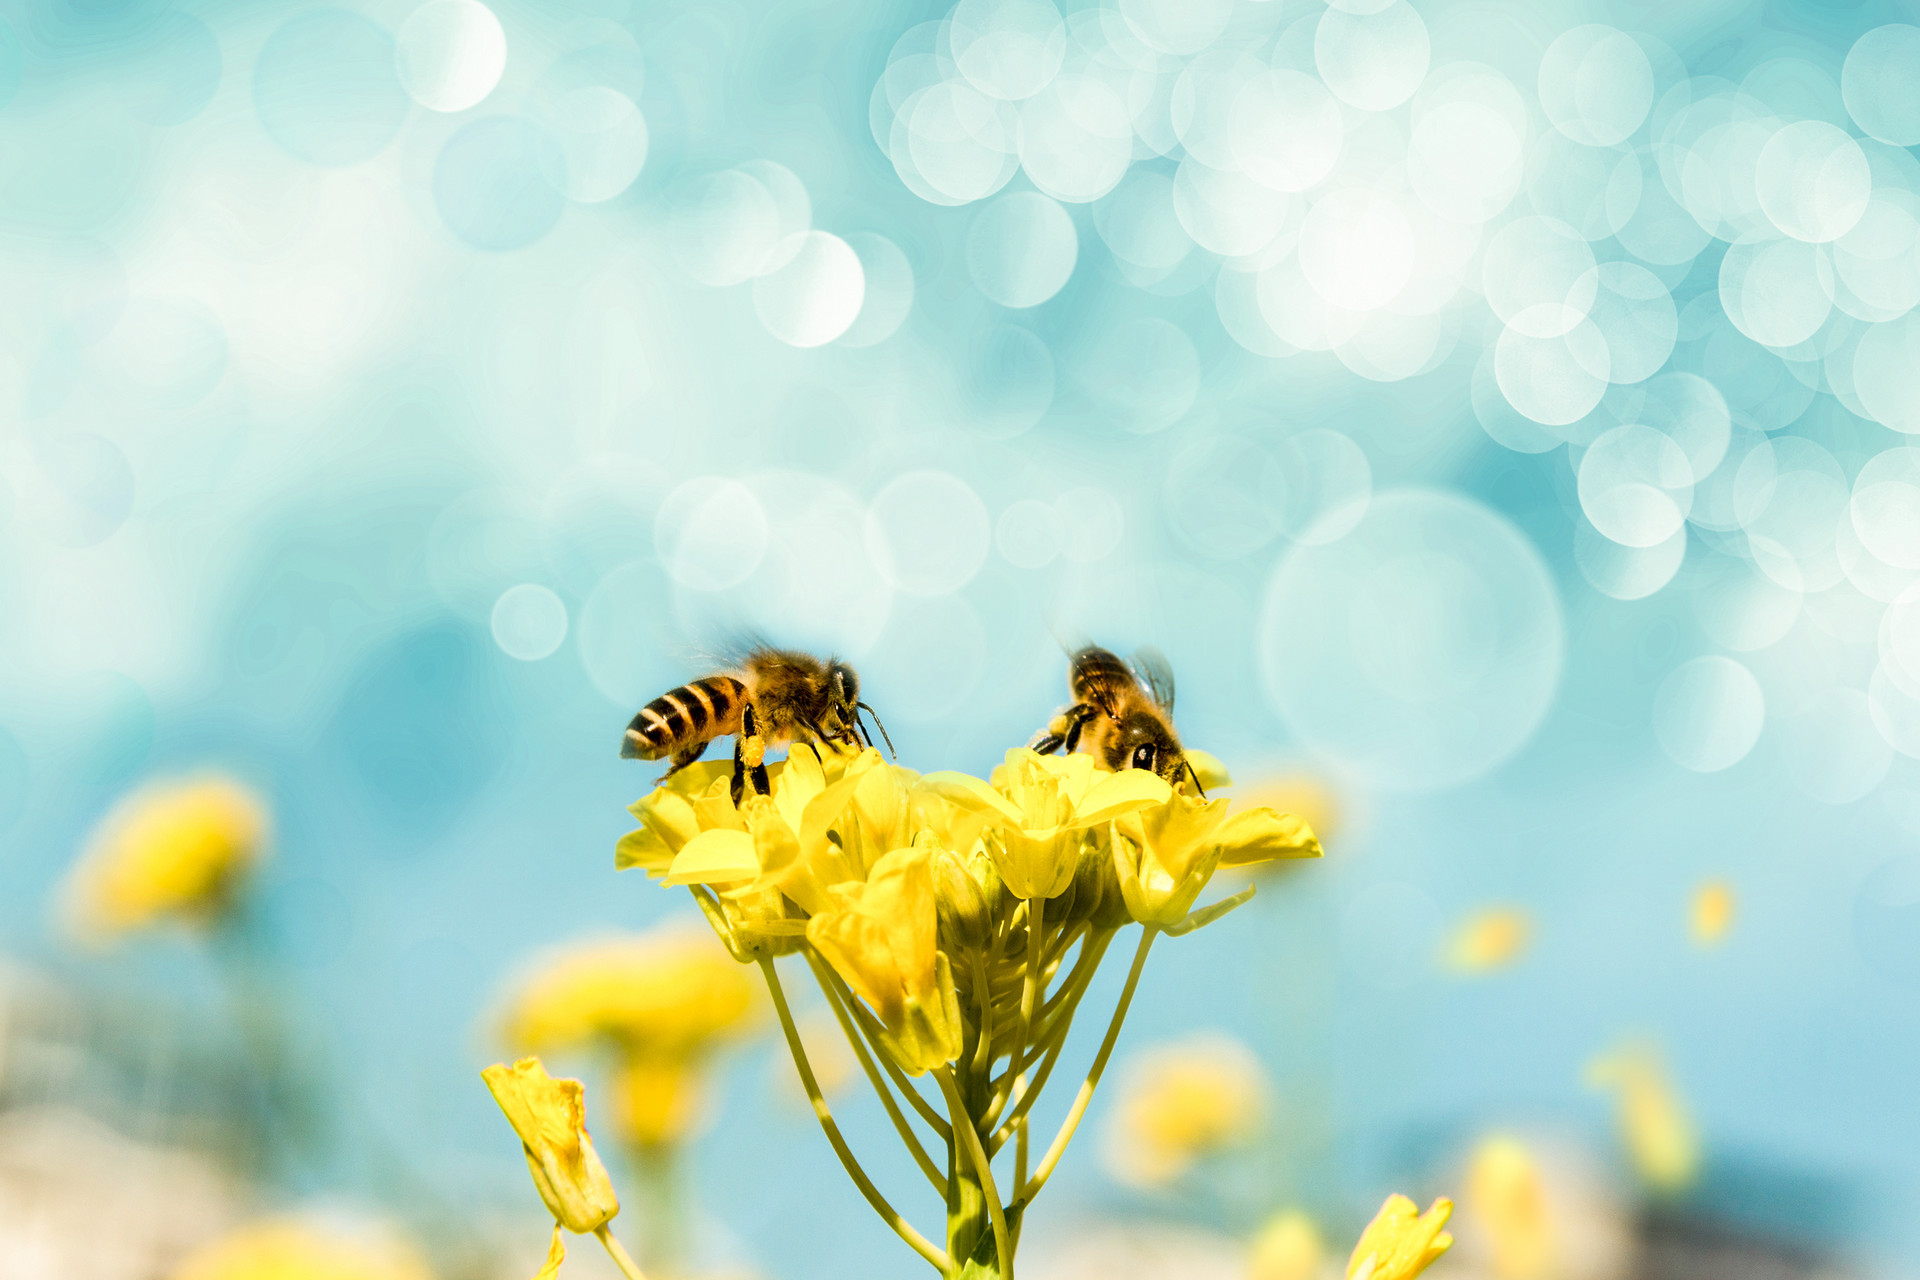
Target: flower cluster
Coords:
[[953, 923], [930, 896]]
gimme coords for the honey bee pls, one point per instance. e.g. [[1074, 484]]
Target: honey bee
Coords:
[[775, 696], [1121, 715]]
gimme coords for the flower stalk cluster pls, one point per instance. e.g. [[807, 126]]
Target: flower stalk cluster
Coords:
[[954, 925]]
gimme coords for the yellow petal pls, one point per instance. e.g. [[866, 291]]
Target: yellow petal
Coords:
[[971, 793], [1508, 1197], [1654, 1123], [1257, 835], [1287, 1248], [642, 848], [556, 1254], [1489, 940], [1713, 912], [1211, 772], [720, 856], [1400, 1242], [1118, 793]]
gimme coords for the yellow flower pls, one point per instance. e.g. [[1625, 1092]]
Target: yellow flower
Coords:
[[289, 1249], [1182, 1103], [1037, 808], [1488, 940], [1287, 1248], [1654, 1124], [177, 851], [880, 936], [1507, 1196], [1304, 794], [1401, 1242], [662, 1003], [1713, 911], [1166, 854], [550, 1117], [668, 990]]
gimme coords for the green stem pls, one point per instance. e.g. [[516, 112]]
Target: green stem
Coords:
[[1031, 1188], [879, 1082], [618, 1253], [904, 1229], [982, 1167], [1029, 997], [871, 1025]]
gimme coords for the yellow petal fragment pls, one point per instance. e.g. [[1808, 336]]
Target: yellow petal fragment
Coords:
[[1654, 1124], [1213, 774], [970, 793], [1401, 1242], [1488, 940], [1262, 834], [1287, 1248], [1118, 793], [556, 1254], [1714, 907], [719, 856], [1508, 1197], [550, 1117]]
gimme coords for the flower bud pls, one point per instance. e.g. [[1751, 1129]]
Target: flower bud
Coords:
[[965, 923], [550, 1117]]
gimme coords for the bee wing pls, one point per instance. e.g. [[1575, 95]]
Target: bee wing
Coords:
[[1156, 673], [733, 644]]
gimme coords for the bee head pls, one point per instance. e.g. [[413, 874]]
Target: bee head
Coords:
[[843, 688], [1146, 743]]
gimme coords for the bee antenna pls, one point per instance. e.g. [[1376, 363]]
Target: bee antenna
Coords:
[[861, 706], [1195, 775]]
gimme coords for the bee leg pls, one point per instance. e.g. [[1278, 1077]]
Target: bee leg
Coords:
[[858, 707], [681, 759], [1077, 717], [1064, 729], [749, 756]]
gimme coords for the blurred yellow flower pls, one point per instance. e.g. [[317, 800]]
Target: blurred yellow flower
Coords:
[[1508, 1198], [1654, 1124], [662, 1003], [550, 1117], [1489, 939], [1401, 1242], [1181, 1103], [1288, 1247], [175, 851], [1713, 911], [1309, 797], [290, 1249]]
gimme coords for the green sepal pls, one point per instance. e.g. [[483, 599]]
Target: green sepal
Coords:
[[1207, 915]]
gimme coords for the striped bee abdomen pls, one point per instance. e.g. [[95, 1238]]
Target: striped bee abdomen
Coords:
[[682, 717]]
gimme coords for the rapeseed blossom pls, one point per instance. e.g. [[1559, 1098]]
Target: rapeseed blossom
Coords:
[[660, 1005], [177, 852]]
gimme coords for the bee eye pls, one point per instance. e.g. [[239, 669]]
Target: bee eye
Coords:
[[1143, 756]]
